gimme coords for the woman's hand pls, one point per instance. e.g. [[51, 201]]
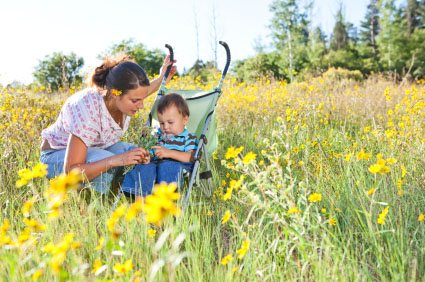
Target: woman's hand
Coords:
[[132, 157], [161, 152], [164, 67]]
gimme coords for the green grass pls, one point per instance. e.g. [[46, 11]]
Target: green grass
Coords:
[[297, 246]]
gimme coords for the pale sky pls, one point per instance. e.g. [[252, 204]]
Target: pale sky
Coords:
[[30, 30]]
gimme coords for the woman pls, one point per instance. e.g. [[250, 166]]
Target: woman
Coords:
[[91, 122]]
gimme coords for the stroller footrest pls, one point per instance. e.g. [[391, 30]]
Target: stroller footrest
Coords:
[[205, 175]]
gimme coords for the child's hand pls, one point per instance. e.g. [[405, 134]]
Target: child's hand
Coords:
[[146, 160], [161, 152]]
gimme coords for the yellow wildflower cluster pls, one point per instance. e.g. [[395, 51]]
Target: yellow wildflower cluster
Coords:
[[4, 238], [233, 152], [26, 175], [113, 219], [161, 203], [245, 247], [379, 167], [363, 156], [123, 268], [59, 251], [57, 193]]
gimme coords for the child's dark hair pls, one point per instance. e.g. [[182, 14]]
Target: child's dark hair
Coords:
[[173, 99], [118, 73]]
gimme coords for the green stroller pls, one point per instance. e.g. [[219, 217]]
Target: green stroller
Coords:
[[202, 122]]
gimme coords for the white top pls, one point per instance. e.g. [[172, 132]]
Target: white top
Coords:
[[85, 115]]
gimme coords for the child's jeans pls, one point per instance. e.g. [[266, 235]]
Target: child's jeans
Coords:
[[55, 160], [141, 179]]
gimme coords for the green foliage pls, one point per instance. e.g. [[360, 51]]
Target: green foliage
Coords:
[[347, 58], [59, 71], [202, 70], [150, 60], [261, 65]]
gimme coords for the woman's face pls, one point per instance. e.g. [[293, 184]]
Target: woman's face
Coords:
[[129, 103]]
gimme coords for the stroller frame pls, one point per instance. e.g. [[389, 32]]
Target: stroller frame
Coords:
[[195, 175]]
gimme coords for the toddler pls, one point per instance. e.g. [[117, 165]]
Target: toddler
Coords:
[[174, 155]]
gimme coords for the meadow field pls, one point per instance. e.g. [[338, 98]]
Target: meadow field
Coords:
[[320, 179]]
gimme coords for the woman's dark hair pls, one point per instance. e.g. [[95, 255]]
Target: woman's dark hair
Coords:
[[118, 73], [173, 99]]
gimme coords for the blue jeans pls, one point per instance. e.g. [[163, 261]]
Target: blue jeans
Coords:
[[55, 161], [141, 179]]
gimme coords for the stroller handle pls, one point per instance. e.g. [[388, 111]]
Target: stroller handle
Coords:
[[170, 49], [223, 74]]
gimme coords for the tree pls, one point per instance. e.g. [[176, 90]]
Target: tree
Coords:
[[393, 44], [340, 37], [290, 33], [259, 66], [316, 50], [412, 16], [369, 30], [59, 71], [150, 60]]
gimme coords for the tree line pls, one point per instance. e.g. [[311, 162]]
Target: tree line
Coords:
[[389, 40]]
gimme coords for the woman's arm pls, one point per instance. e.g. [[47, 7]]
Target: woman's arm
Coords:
[[76, 153], [156, 83]]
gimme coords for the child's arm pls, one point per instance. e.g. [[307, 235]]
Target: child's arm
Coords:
[[164, 153]]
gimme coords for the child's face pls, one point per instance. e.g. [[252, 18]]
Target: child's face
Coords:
[[171, 121]]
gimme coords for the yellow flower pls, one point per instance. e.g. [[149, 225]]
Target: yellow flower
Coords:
[[379, 156], [101, 241], [293, 210], [226, 217], [226, 259], [371, 191], [37, 274], [391, 160], [152, 232], [315, 197], [228, 194], [232, 152], [75, 245], [115, 217], [38, 171], [123, 268], [249, 158], [134, 209], [116, 92], [382, 215], [161, 203], [96, 265], [421, 217], [26, 209], [242, 251], [332, 221], [35, 225], [347, 157], [57, 261], [403, 171]]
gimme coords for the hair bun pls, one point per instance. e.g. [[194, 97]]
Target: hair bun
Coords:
[[100, 73]]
